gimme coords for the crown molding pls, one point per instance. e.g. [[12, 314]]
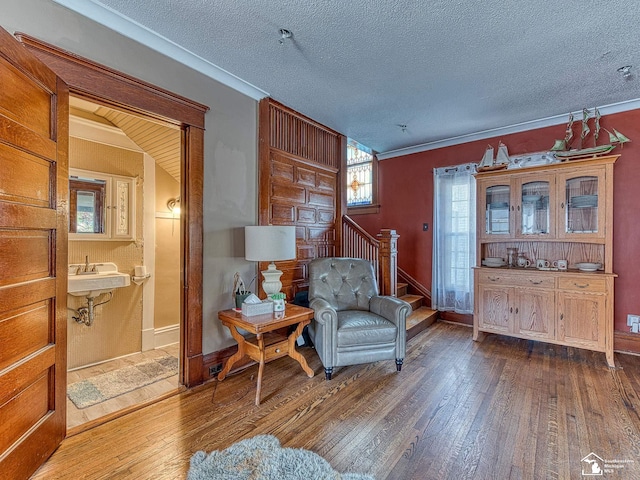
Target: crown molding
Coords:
[[129, 28], [496, 132]]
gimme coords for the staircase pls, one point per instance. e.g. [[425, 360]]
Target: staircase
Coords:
[[420, 317], [382, 253]]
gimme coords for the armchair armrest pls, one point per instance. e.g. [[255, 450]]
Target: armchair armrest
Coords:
[[325, 326], [325, 314], [396, 311], [391, 308]]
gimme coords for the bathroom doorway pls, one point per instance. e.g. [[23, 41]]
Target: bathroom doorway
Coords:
[[39, 127], [127, 354]]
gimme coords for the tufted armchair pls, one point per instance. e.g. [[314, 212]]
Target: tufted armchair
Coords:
[[352, 323]]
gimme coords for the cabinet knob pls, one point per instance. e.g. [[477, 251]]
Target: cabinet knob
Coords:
[[511, 310], [518, 207], [516, 310], [494, 279], [561, 316], [584, 285], [562, 205], [536, 282], [277, 350]]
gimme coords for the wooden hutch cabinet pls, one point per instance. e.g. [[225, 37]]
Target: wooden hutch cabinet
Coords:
[[561, 211]]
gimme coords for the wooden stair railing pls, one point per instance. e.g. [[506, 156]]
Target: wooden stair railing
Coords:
[[382, 252], [416, 286]]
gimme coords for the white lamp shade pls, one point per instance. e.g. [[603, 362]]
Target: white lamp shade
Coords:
[[269, 243]]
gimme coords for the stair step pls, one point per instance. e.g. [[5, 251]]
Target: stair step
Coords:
[[419, 320], [414, 300], [402, 289]]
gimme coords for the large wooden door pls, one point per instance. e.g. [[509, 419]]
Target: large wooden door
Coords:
[[33, 259]]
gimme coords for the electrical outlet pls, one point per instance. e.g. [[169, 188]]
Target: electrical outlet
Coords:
[[631, 319], [215, 369]]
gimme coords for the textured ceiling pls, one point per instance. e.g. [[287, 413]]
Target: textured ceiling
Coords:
[[442, 68]]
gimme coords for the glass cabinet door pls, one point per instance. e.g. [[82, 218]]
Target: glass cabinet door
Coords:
[[497, 203], [583, 215], [534, 212]]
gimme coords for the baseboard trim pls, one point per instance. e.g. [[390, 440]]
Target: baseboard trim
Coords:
[[625, 342], [221, 357], [453, 317], [148, 339], [166, 335]]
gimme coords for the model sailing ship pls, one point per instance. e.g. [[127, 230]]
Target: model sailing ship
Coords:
[[488, 163], [562, 148]]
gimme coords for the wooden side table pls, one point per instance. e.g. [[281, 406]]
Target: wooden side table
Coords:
[[256, 347]]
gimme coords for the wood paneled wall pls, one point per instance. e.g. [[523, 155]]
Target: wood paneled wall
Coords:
[[299, 173]]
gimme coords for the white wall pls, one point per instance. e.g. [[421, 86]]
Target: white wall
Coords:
[[230, 170]]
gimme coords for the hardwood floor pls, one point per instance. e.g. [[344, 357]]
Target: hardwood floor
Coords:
[[78, 418], [500, 409]]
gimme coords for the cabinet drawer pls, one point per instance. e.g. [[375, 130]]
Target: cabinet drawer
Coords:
[[275, 351], [526, 279], [536, 280], [497, 277], [582, 284]]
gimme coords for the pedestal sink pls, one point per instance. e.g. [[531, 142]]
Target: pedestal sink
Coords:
[[103, 278]]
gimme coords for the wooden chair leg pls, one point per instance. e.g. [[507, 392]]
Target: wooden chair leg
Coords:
[[399, 362]]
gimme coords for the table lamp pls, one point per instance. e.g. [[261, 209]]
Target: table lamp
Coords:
[[270, 243]]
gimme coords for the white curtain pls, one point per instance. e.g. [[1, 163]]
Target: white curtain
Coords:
[[454, 238]]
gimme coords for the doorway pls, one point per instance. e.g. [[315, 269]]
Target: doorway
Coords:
[[108, 87], [128, 354]]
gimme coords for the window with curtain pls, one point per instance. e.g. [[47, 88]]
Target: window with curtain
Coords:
[[454, 238]]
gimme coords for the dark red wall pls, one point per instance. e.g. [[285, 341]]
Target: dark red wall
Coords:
[[406, 200]]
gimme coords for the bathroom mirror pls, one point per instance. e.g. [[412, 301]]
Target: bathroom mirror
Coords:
[[86, 205], [101, 206]]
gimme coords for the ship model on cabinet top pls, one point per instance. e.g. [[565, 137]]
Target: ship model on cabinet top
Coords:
[[562, 148], [488, 163]]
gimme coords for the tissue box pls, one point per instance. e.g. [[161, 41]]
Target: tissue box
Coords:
[[250, 309]]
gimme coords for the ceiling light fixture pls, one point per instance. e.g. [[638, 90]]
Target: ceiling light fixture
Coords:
[[284, 35], [625, 71]]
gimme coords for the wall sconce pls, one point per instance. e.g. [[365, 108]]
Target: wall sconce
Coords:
[[174, 205]]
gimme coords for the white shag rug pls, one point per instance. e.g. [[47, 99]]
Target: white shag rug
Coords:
[[262, 458]]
